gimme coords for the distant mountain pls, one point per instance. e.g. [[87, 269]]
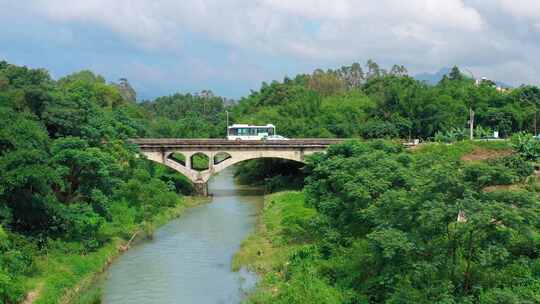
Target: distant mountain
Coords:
[[432, 79]]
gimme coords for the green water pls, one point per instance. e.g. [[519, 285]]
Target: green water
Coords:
[[189, 259]]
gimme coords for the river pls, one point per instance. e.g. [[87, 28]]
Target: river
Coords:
[[189, 259]]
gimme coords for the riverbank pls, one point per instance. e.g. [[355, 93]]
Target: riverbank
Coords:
[[70, 278], [279, 234]]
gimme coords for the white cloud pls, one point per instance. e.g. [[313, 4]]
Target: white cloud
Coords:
[[521, 8], [266, 24], [422, 34]]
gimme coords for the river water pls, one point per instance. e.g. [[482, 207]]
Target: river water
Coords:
[[189, 259]]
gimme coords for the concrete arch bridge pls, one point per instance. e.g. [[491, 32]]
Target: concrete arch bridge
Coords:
[[224, 153]]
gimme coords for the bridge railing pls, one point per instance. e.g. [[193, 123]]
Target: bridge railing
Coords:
[[175, 142]]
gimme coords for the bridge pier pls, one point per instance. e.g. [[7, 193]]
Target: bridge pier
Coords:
[[201, 188]]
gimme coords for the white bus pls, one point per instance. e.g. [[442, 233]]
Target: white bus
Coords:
[[250, 132]]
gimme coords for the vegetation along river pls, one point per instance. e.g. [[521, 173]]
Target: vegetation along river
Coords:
[[189, 259]]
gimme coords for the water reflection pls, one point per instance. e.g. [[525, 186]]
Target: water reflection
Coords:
[[189, 260]]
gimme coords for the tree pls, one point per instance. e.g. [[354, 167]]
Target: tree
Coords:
[[326, 83], [455, 74], [374, 70], [81, 169], [398, 214], [530, 96]]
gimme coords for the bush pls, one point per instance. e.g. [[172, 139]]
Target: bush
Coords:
[[3, 238], [306, 286], [180, 183], [516, 163], [483, 175], [526, 145], [451, 135], [379, 129], [481, 132], [81, 223], [11, 290], [122, 221]]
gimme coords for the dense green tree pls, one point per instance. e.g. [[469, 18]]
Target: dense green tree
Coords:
[[423, 227], [81, 168], [69, 182]]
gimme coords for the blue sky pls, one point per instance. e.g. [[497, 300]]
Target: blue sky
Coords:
[[230, 47]]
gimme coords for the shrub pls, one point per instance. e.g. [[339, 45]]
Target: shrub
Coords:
[[450, 136], [82, 223], [483, 175], [379, 129], [516, 163], [526, 145], [11, 290]]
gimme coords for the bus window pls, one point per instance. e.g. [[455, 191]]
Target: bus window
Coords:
[[270, 131]]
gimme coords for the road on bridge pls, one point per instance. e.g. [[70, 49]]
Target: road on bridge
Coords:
[[207, 143]]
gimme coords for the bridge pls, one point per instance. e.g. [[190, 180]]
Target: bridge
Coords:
[[223, 153]]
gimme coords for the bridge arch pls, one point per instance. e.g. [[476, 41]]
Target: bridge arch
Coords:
[[233, 161], [200, 178], [224, 153]]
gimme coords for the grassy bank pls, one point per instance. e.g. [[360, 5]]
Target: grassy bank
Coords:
[[458, 150], [278, 237], [69, 278]]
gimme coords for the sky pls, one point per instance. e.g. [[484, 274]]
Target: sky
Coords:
[[232, 46]]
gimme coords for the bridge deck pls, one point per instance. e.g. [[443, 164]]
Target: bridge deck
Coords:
[[224, 143]]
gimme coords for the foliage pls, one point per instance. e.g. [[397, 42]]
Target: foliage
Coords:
[[450, 136], [379, 224], [187, 116], [390, 226], [527, 146], [370, 102], [516, 163], [69, 182], [483, 175], [273, 174]]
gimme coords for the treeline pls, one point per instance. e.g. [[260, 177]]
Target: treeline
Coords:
[[187, 116], [378, 224], [353, 102], [349, 102]]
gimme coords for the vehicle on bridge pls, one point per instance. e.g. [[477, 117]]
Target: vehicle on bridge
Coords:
[[251, 132]]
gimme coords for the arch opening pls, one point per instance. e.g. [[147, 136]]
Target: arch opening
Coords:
[[273, 174], [178, 157], [221, 157], [200, 162]]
